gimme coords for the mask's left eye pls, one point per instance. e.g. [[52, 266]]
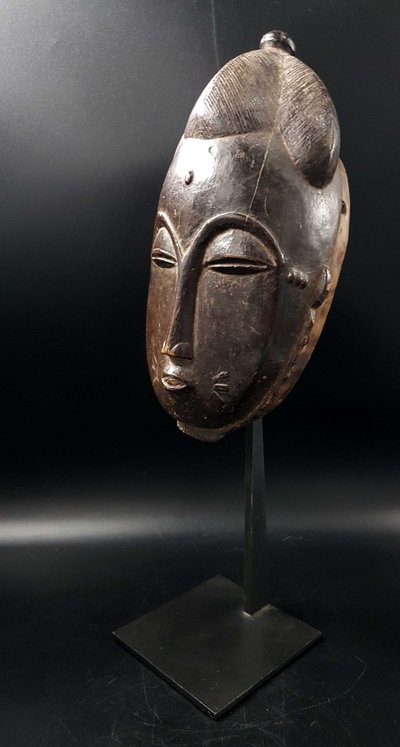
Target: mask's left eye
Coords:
[[163, 253], [237, 252]]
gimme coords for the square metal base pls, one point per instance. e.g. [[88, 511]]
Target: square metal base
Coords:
[[204, 645]]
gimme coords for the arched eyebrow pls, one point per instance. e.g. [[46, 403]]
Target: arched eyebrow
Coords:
[[245, 223], [219, 223], [163, 221]]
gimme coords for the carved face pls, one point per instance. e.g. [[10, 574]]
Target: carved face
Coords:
[[244, 253]]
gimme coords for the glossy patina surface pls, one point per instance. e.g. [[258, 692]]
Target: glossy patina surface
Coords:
[[249, 239]]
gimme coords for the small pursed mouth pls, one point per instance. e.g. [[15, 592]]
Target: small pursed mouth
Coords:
[[173, 383]]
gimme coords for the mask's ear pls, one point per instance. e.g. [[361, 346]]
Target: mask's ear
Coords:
[[308, 123]]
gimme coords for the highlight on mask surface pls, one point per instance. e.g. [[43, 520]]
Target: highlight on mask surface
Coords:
[[249, 239]]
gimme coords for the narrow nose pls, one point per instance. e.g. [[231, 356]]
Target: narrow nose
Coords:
[[179, 342], [180, 350]]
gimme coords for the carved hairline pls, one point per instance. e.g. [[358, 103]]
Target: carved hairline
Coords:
[[270, 91]]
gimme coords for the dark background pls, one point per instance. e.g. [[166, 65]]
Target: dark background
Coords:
[[107, 510]]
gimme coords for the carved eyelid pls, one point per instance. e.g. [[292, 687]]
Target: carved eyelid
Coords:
[[165, 225], [164, 257], [257, 261], [239, 259], [237, 265]]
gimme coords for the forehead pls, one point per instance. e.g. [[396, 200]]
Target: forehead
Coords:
[[251, 175], [214, 170]]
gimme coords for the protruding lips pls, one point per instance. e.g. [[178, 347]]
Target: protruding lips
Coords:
[[173, 383]]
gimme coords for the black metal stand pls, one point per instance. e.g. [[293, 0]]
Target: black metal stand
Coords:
[[255, 582], [218, 642]]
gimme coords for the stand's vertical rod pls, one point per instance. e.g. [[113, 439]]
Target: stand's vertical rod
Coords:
[[255, 553]]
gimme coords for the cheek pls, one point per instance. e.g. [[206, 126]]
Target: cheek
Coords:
[[233, 322], [160, 305]]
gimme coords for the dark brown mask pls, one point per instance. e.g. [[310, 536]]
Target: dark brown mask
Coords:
[[249, 239]]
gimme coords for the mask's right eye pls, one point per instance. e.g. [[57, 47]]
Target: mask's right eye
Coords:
[[163, 254], [161, 258]]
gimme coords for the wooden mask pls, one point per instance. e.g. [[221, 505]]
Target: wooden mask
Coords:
[[249, 239]]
